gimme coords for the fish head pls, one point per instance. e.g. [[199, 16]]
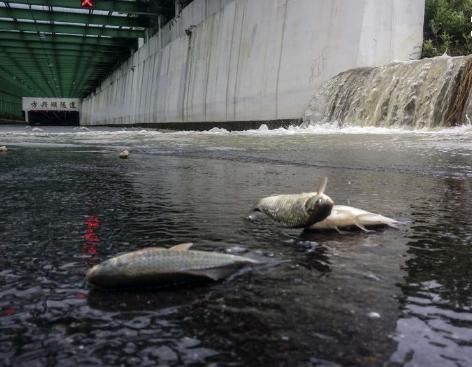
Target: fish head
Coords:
[[319, 207], [104, 274]]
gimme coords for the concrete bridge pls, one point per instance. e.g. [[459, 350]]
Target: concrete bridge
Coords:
[[215, 61]]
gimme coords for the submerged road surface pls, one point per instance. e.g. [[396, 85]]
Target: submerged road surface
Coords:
[[393, 297]]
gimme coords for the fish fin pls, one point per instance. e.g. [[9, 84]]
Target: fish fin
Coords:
[[358, 225], [181, 247], [323, 185], [394, 225], [215, 274], [338, 230], [146, 249], [381, 220]]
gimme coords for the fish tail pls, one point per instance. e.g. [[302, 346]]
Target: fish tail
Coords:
[[394, 224]]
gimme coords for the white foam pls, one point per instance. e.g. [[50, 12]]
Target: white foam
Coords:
[[332, 128], [102, 136], [217, 130]]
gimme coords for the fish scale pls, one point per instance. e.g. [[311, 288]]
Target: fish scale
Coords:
[[167, 261], [288, 209]]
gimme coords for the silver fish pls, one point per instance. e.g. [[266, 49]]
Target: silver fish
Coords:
[[297, 210], [343, 216], [156, 266]]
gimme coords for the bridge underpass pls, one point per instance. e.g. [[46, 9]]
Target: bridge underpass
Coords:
[[57, 49]]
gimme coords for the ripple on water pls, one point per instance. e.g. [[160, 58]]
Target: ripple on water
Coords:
[[68, 203]]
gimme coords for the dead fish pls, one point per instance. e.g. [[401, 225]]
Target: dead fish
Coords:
[[343, 216], [3, 149], [297, 210], [157, 266], [124, 154]]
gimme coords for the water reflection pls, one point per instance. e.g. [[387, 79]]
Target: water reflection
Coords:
[[355, 299], [159, 300], [436, 323], [91, 239]]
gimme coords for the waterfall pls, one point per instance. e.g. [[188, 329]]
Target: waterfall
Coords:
[[426, 93]]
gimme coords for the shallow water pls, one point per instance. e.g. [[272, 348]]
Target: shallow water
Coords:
[[392, 297]]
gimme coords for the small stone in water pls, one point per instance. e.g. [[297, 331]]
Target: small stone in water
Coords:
[[236, 250], [374, 315], [372, 276], [370, 245]]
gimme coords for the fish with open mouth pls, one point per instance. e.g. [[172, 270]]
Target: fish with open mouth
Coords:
[[297, 210], [156, 266]]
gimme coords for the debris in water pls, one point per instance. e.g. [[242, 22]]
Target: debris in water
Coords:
[[236, 250], [124, 154], [372, 276], [374, 315], [3, 149]]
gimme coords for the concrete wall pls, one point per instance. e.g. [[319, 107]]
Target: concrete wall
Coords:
[[252, 60]]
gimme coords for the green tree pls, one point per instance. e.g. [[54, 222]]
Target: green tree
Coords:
[[447, 28]]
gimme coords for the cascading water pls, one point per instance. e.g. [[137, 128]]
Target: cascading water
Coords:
[[427, 93]]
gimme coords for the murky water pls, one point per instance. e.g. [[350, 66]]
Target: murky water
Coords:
[[393, 297]]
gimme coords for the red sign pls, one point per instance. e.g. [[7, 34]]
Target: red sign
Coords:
[[87, 4]]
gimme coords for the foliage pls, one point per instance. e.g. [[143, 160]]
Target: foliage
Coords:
[[447, 28]]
